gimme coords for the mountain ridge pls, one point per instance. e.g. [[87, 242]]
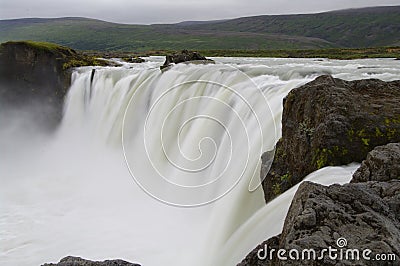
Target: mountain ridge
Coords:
[[349, 28]]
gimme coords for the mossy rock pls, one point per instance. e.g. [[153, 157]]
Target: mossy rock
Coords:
[[330, 122]]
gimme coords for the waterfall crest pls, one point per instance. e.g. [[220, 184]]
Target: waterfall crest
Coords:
[[158, 167]]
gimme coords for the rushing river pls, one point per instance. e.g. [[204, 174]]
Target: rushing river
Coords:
[[159, 168]]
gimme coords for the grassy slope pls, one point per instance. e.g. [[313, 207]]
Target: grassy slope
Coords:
[[89, 34], [367, 27], [354, 28]]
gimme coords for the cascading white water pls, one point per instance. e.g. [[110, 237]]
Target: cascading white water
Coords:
[[157, 167]]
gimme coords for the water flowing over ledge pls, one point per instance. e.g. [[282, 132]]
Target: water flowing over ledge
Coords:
[[77, 196]]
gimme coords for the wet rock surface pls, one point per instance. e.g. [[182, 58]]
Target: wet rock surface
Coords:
[[134, 60], [331, 122], [356, 216], [184, 56]]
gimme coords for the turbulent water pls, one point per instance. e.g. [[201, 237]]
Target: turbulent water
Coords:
[[160, 168]]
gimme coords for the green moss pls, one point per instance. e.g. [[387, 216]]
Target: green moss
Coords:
[[82, 61], [46, 47], [65, 55], [321, 158], [361, 133], [378, 133], [324, 156], [305, 129], [280, 152], [391, 133], [365, 141], [393, 121], [350, 134], [276, 189], [287, 177], [391, 127]]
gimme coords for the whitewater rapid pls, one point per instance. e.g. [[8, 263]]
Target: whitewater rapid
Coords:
[[157, 167]]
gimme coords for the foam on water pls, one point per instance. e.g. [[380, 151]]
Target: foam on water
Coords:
[[192, 136]]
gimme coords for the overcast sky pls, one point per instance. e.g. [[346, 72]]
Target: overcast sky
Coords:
[[167, 11]]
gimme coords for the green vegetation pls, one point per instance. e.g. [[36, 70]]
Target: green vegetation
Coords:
[[286, 177], [392, 127], [83, 61], [332, 53], [250, 36], [276, 189], [366, 27], [88, 34], [388, 132], [305, 129], [323, 157], [46, 46], [66, 56]]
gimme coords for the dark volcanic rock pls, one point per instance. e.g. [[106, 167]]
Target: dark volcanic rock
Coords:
[[76, 261], [382, 164], [365, 214], [134, 59], [332, 122], [361, 213], [184, 56], [37, 73], [252, 258]]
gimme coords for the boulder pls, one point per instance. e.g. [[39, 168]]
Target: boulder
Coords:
[[331, 122], [382, 164], [133, 59], [76, 261], [365, 215], [184, 56], [362, 215]]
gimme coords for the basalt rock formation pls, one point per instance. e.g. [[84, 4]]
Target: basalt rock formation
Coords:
[[133, 59], [382, 164], [184, 56], [331, 122], [362, 215], [357, 216], [76, 261]]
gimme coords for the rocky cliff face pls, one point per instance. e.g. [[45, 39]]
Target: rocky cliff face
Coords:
[[33, 73], [359, 215], [332, 122]]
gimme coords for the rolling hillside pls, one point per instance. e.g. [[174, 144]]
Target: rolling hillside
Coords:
[[368, 27]]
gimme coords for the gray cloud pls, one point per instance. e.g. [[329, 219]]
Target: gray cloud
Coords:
[[167, 11]]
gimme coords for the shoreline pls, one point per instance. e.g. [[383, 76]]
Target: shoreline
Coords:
[[330, 53]]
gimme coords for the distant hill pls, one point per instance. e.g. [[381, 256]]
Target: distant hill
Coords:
[[366, 27]]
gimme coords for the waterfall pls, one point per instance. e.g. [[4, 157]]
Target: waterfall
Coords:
[[192, 136], [158, 167]]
